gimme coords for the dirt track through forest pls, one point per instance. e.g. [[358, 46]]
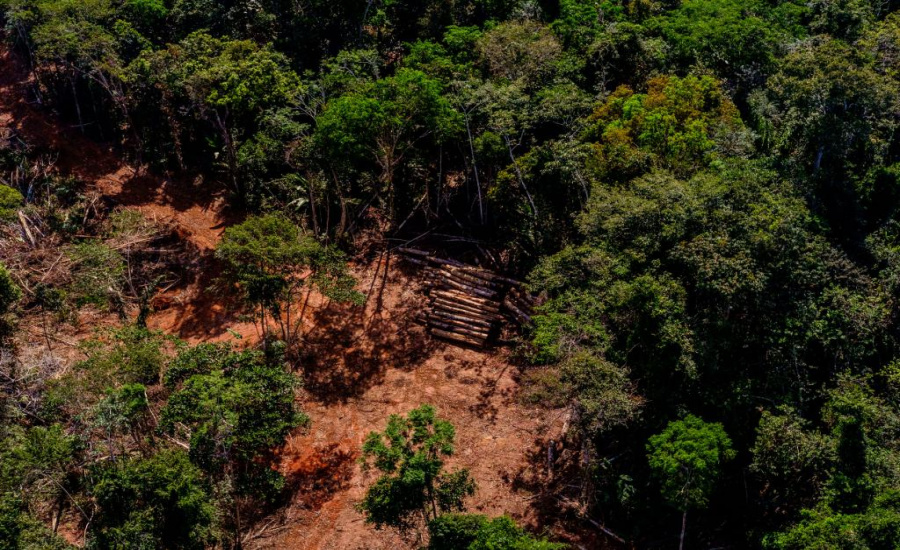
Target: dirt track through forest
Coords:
[[363, 363]]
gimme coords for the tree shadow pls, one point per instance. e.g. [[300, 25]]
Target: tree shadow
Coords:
[[550, 473], [197, 307], [346, 355], [315, 476], [350, 348]]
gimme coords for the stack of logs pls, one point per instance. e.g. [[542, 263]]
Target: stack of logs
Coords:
[[468, 304]]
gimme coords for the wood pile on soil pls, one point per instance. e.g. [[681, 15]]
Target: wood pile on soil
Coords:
[[468, 304]]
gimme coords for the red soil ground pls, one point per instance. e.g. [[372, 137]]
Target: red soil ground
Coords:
[[362, 363]]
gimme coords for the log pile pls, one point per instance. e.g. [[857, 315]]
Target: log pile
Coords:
[[468, 304]]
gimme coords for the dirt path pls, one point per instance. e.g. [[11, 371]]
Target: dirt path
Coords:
[[363, 364]]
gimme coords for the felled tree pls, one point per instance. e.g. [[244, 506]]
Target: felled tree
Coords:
[[273, 263], [687, 458], [410, 454]]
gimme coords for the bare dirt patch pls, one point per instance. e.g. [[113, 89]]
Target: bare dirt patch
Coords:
[[364, 365], [361, 364]]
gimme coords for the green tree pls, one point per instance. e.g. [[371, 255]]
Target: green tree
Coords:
[[235, 409], [157, 502], [738, 40], [273, 263], [687, 459], [680, 124], [833, 118], [10, 202], [475, 532], [9, 290], [410, 456], [383, 122], [792, 459], [226, 84]]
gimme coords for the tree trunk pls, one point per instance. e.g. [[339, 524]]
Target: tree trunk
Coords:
[[519, 175], [77, 104], [230, 150], [683, 529], [475, 169], [312, 211]]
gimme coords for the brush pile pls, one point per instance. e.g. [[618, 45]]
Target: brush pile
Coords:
[[468, 304]]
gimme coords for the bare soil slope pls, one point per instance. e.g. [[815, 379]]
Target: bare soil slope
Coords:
[[363, 363]]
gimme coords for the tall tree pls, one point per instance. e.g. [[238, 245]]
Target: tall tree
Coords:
[[687, 459]]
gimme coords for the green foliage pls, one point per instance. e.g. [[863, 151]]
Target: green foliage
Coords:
[[520, 51], [20, 531], [10, 202], [476, 532], [791, 457], [235, 406], [37, 465], [680, 124], [687, 459], [9, 290], [736, 39], [833, 116], [160, 502], [379, 125], [122, 409], [878, 527], [98, 274], [706, 195], [410, 455], [272, 262], [604, 395], [120, 357]]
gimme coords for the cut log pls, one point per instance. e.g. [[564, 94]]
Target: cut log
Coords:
[[412, 251], [449, 324], [482, 303], [440, 303], [489, 307], [497, 278], [469, 289], [521, 304], [523, 295], [465, 289], [26, 231], [458, 337], [488, 312], [457, 329], [521, 315], [442, 261], [467, 277], [468, 325], [461, 318]]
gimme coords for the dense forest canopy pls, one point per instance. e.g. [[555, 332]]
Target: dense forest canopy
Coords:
[[704, 193]]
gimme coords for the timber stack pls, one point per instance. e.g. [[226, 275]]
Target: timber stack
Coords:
[[468, 304]]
